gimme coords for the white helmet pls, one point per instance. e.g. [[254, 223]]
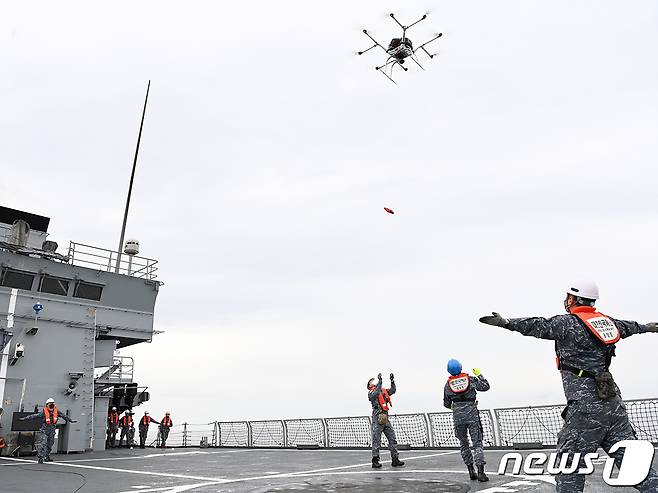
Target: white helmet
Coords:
[[50, 401], [146, 412], [584, 289]]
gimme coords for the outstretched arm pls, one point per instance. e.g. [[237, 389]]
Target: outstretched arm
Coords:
[[32, 416], [67, 418], [629, 328], [542, 328], [154, 421]]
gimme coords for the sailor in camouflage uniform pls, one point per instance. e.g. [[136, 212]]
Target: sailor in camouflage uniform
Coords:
[[460, 395], [380, 399], [585, 339], [49, 417]]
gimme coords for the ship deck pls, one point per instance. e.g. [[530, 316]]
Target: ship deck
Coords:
[[263, 470]]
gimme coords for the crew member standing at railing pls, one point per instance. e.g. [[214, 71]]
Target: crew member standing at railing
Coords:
[[585, 340], [380, 399], [165, 426], [144, 428], [127, 429], [460, 395], [112, 427]]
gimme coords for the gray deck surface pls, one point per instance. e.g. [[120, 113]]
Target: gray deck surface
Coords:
[[259, 470]]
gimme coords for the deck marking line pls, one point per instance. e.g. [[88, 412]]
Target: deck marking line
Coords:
[[128, 471], [148, 456]]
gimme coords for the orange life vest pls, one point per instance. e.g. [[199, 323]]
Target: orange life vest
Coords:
[[166, 422], [127, 421], [459, 383], [602, 326], [50, 417], [146, 420], [113, 418], [384, 400]]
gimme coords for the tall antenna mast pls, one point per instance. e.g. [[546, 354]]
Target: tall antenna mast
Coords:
[[132, 178]]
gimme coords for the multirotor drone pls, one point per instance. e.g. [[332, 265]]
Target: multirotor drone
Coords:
[[399, 49]]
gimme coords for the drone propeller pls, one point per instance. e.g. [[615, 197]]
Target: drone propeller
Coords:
[[365, 31]]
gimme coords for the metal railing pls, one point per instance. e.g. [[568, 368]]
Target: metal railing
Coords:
[[504, 427], [106, 260], [121, 371]]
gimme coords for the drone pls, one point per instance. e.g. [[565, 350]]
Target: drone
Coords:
[[399, 49]]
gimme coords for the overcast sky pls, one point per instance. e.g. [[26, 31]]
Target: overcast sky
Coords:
[[522, 158]]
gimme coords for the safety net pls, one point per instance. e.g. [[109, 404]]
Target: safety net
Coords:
[[305, 432], [410, 429], [233, 433], [529, 425], [443, 430], [267, 434], [643, 415], [348, 432]]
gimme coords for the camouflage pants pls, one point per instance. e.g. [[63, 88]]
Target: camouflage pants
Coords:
[[129, 434], [164, 434], [45, 443], [588, 427], [143, 433], [112, 435], [389, 433], [462, 431]]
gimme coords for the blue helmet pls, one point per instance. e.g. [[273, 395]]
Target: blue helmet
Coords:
[[454, 367]]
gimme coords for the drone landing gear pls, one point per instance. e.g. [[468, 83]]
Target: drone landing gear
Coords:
[[391, 62]]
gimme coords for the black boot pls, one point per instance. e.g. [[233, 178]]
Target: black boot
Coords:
[[471, 472], [482, 477], [375, 463], [41, 460], [396, 462]]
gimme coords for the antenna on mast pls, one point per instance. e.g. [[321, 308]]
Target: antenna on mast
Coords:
[[130, 187]]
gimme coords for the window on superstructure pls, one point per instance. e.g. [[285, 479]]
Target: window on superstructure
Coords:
[[54, 285], [16, 279], [88, 291]]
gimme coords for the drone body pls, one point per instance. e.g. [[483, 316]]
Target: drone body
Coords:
[[400, 49]]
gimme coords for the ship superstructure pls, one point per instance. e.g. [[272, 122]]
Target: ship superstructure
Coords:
[[63, 316]]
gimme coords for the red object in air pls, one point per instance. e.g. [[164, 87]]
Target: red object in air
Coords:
[[390, 211]]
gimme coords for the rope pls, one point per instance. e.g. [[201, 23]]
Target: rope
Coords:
[[84, 478]]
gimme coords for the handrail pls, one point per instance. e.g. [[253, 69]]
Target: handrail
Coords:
[[502, 427], [105, 260]]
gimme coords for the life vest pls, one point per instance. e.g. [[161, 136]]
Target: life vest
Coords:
[[384, 399], [166, 422], [459, 383], [113, 418], [50, 417], [146, 420], [603, 327], [126, 421]]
